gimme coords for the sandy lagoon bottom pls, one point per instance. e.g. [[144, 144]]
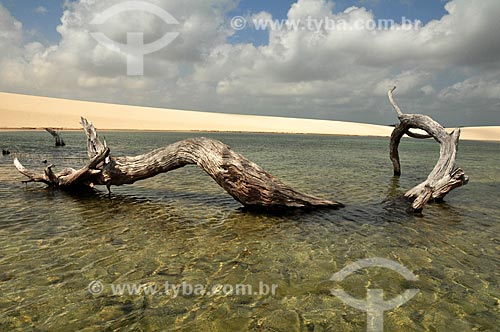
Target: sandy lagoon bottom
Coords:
[[181, 228]]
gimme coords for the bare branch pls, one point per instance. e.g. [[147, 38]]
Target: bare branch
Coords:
[[94, 144], [393, 103], [34, 177], [445, 176]]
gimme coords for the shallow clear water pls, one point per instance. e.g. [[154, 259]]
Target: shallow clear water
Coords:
[[181, 227]]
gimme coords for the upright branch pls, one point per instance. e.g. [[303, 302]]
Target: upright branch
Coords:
[[244, 180], [57, 135], [445, 176]]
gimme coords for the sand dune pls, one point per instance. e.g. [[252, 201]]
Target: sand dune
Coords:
[[491, 133], [22, 111]]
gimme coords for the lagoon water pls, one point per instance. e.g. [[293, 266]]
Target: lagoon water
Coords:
[[180, 227]]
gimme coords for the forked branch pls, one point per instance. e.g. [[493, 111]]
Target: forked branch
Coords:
[[445, 176]]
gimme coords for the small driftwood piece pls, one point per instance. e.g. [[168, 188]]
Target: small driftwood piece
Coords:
[[57, 136], [245, 181], [445, 176]]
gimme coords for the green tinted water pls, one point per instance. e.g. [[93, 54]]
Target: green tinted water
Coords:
[[181, 227]]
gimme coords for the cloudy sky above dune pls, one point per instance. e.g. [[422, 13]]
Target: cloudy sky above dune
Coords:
[[314, 58]]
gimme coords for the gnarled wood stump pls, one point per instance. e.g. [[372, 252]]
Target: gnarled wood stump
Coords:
[[445, 176], [57, 136], [245, 181]]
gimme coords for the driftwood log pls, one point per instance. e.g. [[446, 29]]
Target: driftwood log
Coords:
[[57, 136], [245, 181], [445, 176]]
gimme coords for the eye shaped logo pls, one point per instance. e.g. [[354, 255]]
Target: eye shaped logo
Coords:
[[374, 304], [135, 49]]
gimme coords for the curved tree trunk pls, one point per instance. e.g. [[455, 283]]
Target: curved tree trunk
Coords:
[[57, 136], [445, 176], [244, 180]]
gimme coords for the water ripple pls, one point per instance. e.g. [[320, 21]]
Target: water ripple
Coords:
[[182, 226]]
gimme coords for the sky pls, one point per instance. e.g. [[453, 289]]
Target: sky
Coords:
[[444, 56]]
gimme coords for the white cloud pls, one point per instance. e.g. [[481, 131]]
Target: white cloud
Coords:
[[439, 68], [406, 81], [41, 10], [11, 31], [472, 88], [428, 90]]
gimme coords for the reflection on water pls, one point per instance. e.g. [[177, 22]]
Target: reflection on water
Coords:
[[181, 227]]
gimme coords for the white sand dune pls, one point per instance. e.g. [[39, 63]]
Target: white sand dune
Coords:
[[491, 133], [22, 111]]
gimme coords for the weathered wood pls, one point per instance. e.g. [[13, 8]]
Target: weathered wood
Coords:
[[445, 176], [244, 180], [57, 136]]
